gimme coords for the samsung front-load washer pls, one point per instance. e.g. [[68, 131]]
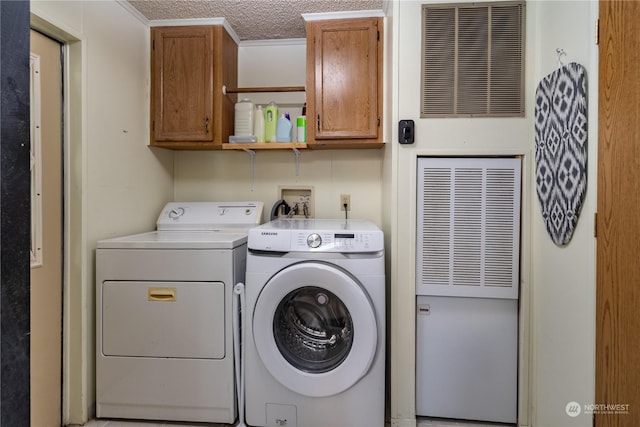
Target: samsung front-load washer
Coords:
[[314, 324], [164, 339]]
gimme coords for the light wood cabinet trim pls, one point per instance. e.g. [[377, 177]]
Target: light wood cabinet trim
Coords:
[[274, 89], [227, 69], [265, 146]]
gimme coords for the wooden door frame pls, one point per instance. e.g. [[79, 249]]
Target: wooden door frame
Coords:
[[76, 396], [618, 227]]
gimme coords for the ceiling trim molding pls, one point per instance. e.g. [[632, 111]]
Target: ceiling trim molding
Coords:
[[133, 11], [196, 21], [347, 14]]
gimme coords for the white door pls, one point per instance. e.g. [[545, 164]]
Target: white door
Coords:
[[315, 329], [433, 137]]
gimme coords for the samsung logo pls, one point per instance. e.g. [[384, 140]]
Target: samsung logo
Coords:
[[269, 233]]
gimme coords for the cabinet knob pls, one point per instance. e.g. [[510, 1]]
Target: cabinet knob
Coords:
[[206, 125]]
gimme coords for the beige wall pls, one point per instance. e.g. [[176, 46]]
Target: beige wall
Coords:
[[226, 176], [115, 183], [563, 279]]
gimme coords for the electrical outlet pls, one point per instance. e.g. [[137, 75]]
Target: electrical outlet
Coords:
[[345, 202]]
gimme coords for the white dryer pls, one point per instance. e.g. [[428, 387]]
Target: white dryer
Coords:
[[164, 341], [314, 324]]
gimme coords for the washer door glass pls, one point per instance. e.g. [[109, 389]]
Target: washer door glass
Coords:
[[315, 329]]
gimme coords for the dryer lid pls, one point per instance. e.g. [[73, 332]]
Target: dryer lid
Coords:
[[176, 240]]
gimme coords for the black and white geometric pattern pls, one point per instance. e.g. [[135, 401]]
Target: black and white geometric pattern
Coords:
[[561, 149]]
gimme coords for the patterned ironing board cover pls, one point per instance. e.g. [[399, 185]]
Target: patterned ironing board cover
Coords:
[[561, 149]]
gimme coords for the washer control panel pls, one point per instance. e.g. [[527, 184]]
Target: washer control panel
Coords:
[[316, 235], [334, 242]]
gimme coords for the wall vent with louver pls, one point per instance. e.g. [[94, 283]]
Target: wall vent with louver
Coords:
[[468, 230], [473, 60]]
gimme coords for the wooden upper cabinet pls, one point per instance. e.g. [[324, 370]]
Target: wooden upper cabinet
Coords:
[[189, 65], [344, 83]]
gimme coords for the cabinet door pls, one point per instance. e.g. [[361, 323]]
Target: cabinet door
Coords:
[[182, 83], [344, 78]]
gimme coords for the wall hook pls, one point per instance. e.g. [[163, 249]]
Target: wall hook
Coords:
[[252, 165], [560, 52], [296, 153]]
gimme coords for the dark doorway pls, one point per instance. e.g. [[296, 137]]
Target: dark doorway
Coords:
[[14, 213]]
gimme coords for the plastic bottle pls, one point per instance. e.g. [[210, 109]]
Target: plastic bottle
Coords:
[[283, 129], [258, 124], [270, 122], [301, 124], [244, 118]]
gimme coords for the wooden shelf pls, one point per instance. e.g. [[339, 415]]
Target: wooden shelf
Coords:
[[265, 146], [226, 89]]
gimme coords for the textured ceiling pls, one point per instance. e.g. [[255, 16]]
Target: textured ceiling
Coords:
[[252, 19]]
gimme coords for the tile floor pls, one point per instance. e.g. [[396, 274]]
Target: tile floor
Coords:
[[422, 422], [426, 422], [127, 423]]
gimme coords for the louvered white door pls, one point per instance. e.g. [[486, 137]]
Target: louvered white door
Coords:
[[468, 241]]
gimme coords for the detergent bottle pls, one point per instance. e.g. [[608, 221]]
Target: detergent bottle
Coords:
[[283, 129], [270, 122]]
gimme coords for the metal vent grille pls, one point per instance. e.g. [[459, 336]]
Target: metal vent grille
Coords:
[[468, 227], [436, 236], [473, 60]]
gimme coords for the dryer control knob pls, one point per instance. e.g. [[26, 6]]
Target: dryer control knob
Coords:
[[176, 213], [314, 240]]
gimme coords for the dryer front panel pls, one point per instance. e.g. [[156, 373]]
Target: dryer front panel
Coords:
[[315, 329], [163, 319]]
